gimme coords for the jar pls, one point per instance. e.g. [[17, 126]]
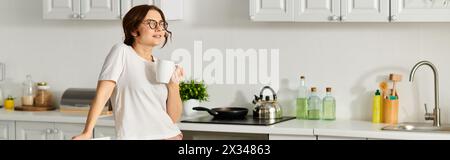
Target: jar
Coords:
[[28, 92], [43, 96], [9, 103]]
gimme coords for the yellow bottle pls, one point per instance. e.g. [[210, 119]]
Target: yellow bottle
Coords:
[[9, 103], [377, 108]]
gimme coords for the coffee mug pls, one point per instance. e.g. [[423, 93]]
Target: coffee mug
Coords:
[[164, 71]]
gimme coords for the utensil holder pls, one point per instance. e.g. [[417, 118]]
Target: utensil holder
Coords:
[[390, 111]]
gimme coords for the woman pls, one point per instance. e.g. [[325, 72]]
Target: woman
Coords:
[[143, 108]]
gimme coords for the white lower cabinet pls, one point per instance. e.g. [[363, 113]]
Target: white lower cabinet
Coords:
[[291, 137], [47, 130], [378, 139], [7, 130], [338, 138], [65, 131], [202, 135], [103, 131], [34, 131]]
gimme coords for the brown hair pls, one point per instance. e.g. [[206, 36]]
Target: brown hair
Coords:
[[134, 18]]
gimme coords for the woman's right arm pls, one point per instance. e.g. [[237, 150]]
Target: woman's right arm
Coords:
[[103, 93]]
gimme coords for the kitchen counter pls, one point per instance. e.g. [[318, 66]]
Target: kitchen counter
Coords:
[[51, 116], [366, 129], [338, 128]]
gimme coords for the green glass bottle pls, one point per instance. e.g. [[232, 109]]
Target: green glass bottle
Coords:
[[314, 105], [302, 100], [329, 106]]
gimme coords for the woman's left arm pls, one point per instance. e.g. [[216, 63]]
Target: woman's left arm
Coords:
[[174, 104]]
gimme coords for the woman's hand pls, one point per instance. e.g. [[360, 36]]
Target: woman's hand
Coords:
[[83, 136], [177, 76], [177, 137], [103, 93], [174, 104]]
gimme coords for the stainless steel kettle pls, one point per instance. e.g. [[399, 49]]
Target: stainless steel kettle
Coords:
[[266, 108]]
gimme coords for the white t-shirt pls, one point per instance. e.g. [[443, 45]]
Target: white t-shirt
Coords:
[[139, 102]]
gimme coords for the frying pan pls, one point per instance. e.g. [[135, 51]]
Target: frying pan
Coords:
[[225, 112]]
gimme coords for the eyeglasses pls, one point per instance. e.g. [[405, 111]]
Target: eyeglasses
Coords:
[[152, 24]]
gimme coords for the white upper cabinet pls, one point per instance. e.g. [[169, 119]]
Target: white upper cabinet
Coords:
[[82, 9], [320, 10], [173, 9], [420, 10], [365, 10], [61, 9], [128, 4], [350, 10], [271, 10], [100, 9], [317, 10], [105, 9]]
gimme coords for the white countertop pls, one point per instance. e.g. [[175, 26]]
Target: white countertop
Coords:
[[338, 128], [366, 129], [51, 116]]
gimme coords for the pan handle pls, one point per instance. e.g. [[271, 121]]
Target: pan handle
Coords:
[[210, 111]]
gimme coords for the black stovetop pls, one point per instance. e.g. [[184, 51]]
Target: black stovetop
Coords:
[[249, 120]]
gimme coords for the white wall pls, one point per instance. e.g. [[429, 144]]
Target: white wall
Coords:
[[350, 57]]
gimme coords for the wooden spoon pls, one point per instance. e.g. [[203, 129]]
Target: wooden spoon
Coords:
[[384, 89], [395, 78]]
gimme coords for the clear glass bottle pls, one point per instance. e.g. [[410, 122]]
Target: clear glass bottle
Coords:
[[302, 100], [43, 96], [28, 92], [329, 106], [314, 105]]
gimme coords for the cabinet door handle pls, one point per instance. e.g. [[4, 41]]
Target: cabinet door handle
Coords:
[[55, 130], [82, 16], [75, 15], [48, 131], [343, 18], [334, 18], [394, 18]]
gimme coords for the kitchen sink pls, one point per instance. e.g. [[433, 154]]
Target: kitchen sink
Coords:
[[435, 115], [417, 127]]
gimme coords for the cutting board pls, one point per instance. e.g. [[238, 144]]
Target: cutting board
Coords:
[[32, 108], [82, 111]]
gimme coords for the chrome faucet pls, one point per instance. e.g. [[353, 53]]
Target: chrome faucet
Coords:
[[436, 115]]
